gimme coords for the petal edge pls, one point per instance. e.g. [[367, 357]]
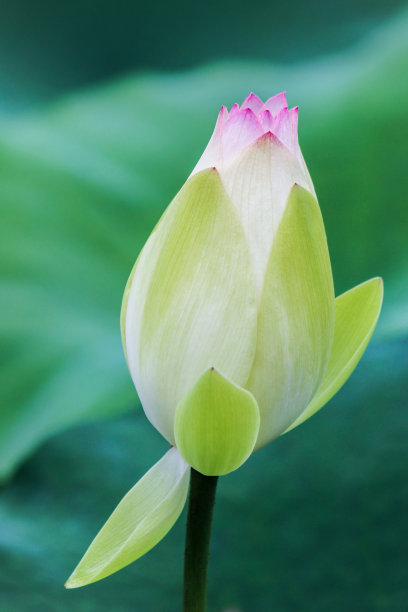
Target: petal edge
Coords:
[[346, 354], [143, 517], [296, 318], [216, 425]]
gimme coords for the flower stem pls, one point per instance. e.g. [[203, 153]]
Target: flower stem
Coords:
[[198, 533]]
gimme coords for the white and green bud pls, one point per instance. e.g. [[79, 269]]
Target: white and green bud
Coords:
[[230, 326]]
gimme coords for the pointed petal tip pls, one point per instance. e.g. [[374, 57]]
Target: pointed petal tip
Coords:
[[273, 137], [247, 111], [377, 280], [296, 188], [269, 136], [253, 102], [69, 585], [205, 172], [72, 583], [276, 103], [234, 109]]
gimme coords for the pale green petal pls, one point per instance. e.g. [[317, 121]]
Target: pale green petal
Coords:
[[140, 521], [356, 315], [192, 301], [123, 309], [259, 181], [216, 425], [147, 252], [296, 318]]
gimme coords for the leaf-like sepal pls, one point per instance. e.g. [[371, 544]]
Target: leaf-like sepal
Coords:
[[216, 425], [140, 521], [356, 315]]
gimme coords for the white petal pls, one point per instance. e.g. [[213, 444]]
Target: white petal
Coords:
[[239, 131], [212, 155], [258, 182]]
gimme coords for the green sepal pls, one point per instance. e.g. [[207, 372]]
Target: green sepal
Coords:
[[216, 425], [356, 315], [140, 521]]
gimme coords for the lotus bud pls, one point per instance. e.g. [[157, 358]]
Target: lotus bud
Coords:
[[230, 326]]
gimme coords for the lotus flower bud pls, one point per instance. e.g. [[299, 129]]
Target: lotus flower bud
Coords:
[[230, 326], [236, 277]]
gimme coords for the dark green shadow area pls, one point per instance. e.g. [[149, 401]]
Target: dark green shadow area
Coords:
[[48, 48]]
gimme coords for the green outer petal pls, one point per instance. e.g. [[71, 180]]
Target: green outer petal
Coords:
[[192, 302], [216, 425], [125, 299], [140, 521], [123, 309], [296, 318], [356, 315]]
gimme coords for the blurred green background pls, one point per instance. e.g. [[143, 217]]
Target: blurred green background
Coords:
[[104, 110]]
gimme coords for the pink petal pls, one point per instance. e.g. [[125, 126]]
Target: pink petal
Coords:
[[222, 117], [239, 131], [293, 114], [276, 103], [266, 119], [234, 110], [215, 140], [253, 102], [285, 128]]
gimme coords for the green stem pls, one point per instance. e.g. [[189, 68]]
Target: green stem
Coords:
[[198, 533]]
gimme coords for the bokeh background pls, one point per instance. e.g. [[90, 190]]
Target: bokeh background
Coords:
[[104, 110]]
